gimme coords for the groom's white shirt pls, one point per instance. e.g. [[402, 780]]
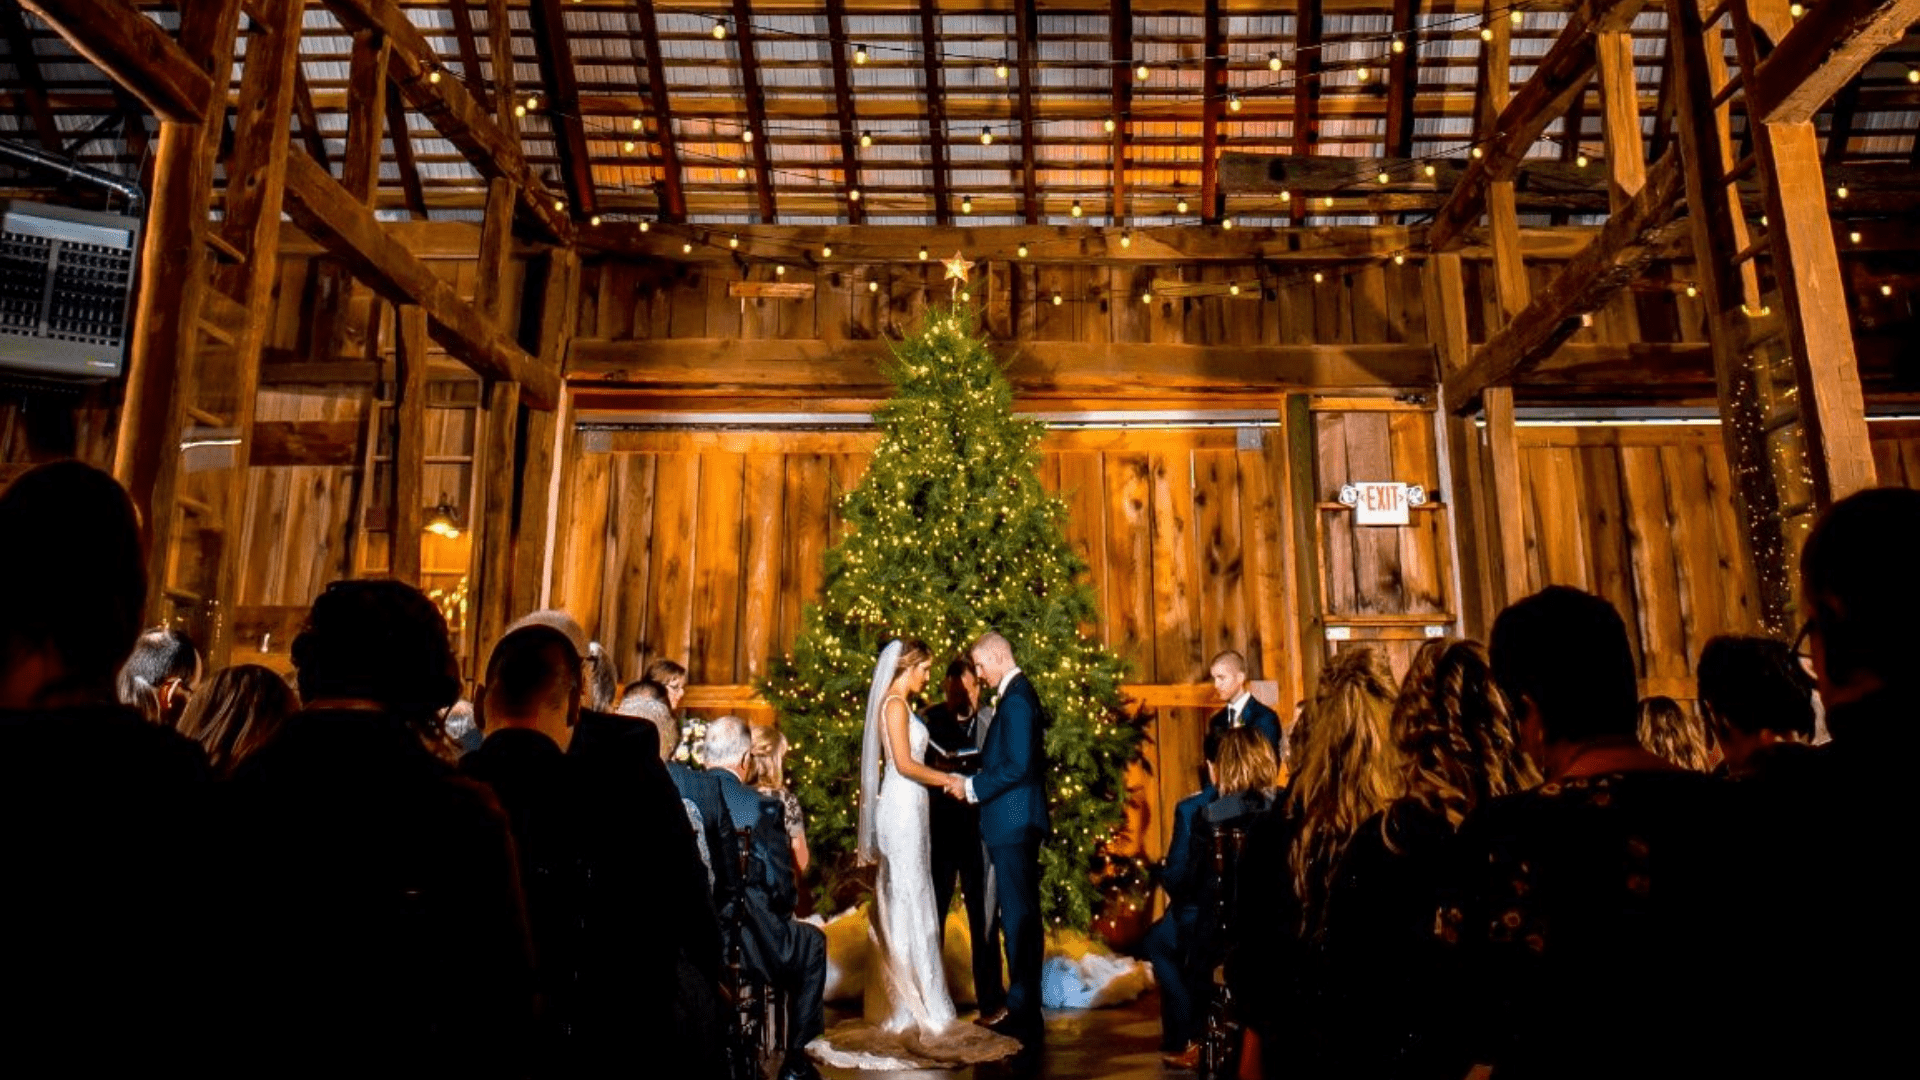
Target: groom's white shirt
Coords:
[[998, 693]]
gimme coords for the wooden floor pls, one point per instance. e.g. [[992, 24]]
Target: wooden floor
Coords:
[[1121, 1043]]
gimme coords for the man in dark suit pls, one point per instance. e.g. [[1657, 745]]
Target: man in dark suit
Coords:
[[955, 726], [1011, 793], [1229, 674], [789, 953], [647, 700]]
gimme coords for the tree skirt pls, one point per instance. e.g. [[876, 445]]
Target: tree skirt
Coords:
[[1079, 972]]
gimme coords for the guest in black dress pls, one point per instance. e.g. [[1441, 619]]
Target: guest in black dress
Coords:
[[1385, 967], [955, 725], [1590, 904]]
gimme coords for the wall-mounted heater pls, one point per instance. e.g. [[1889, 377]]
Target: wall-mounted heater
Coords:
[[66, 282]]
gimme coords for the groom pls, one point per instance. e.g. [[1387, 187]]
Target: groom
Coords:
[[1013, 821]]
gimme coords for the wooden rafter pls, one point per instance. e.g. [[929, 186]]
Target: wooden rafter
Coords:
[[1403, 75], [1663, 107], [936, 92], [1631, 240], [505, 79], [1120, 42], [843, 103], [745, 38], [1213, 83], [349, 231], [1562, 74], [493, 149], [673, 194], [27, 64], [555, 50], [360, 175], [1840, 131], [309, 119], [1620, 120], [135, 52], [1028, 35], [1306, 84], [469, 46], [1822, 53], [402, 138], [1570, 133]]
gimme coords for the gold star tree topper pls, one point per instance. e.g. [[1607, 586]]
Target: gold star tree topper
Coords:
[[957, 268]]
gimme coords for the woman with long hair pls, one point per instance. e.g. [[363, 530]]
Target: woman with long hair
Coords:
[[237, 712], [767, 772], [1377, 959], [1675, 734], [1347, 772]]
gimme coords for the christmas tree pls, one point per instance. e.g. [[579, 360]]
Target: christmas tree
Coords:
[[953, 535]]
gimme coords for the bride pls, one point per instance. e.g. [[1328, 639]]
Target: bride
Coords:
[[910, 1018]]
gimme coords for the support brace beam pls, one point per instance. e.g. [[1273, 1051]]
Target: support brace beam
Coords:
[[1822, 53], [135, 52]]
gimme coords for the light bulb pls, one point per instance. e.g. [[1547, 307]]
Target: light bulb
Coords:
[[1383, 177], [986, 136], [733, 241], [1399, 45], [686, 248], [966, 204], [559, 205], [746, 136], [1692, 289], [1181, 206], [533, 102], [859, 54], [1141, 73], [1430, 170], [1854, 236], [638, 124], [1286, 196], [1111, 125], [1486, 33], [1477, 153], [866, 139], [853, 195], [1273, 61], [1580, 160], [1076, 211], [1363, 73], [1913, 75], [629, 146], [1514, 15], [1841, 191], [1319, 277], [923, 254], [1000, 69], [780, 271], [1886, 290], [1056, 300], [1327, 202], [826, 251], [1226, 223], [519, 110], [434, 76], [1147, 297], [1796, 10], [594, 220], [740, 173], [1126, 239], [719, 30], [873, 286], [1233, 289], [646, 226], [1399, 258], [1022, 250]]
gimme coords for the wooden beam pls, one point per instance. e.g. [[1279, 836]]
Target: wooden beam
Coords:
[[1620, 119], [726, 366], [1561, 74], [1213, 91], [1570, 141], [559, 299], [1629, 242], [135, 52], [1504, 495], [838, 45], [26, 64], [348, 230], [1120, 46], [409, 442], [492, 566], [1822, 53], [673, 195], [1403, 75], [309, 119], [506, 92], [1840, 125], [1511, 288], [469, 46], [934, 86], [1306, 86], [402, 137], [495, 252], [744, 38], [493, 150], [1027, 38], [555, 49], [360, 176]]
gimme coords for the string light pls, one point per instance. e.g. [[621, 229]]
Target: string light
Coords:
[[629, 146], [645, 226], [1580, 160], [1273, 61], [1841, 191], [826, 251], [966, 204], [866, 139], [1399, 45], [1796, 10], [1399, 258], [733, 241], [1383, 177], [1111, 125], [559, 204], [780, 270], [1486, 33], [1286, 196], [1141, 73], [1692, 290], [533, 102], [1854, 236], [986, 136], [1363, 73], [1076, 211], [594, 220], [1477, 153], [1430, 170], [1327, 202], [1319, 278], [1226, 223], [1126, 239], [740, 173], [638, 124], [1886, 290], [1022, 250], [1147, 297], [853, 194], [1233, 102], [1000, 69], [433, 76], [746, 135], [873, 286], [1514, 16], [859, 54], [1056, 300], [1233, 289], [686, 248], [923, 253], [719, 30], [1913, 75], [519, 110], [1181, 205]]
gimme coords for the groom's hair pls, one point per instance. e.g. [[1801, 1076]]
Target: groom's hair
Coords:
[[728, 741], [992, 643]]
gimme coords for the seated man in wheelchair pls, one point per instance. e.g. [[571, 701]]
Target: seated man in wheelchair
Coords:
[[788, 954]]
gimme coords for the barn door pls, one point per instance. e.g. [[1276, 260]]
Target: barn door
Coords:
[[1389, 585]]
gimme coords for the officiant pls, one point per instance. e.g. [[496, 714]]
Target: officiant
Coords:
[[956, 727]]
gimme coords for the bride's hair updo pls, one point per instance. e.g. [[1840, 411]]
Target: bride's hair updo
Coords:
[[913, 653]]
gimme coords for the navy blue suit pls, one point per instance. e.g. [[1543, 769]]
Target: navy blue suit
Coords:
[[1257, 716], [1011, 791], [1170, 940], [789, 953]]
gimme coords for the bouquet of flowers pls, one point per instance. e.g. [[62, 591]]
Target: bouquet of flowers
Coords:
[[693, 743]]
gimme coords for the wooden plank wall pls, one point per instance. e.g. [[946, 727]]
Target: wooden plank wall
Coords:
[[705, 548]]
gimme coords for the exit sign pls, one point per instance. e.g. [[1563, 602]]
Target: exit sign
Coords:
[[1379, 502]]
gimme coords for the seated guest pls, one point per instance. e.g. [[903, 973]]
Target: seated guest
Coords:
[[160, 676], [1241, 708], [237, 712], [790, 954], [378, 914], [101, 921], [1587, 903], [768, 776], [1668, 730], [670, 675], [700, 794], [460, 730], [603, 679], [1381, 966], [1758, 703]]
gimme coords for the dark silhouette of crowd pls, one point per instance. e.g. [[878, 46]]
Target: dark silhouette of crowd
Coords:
[[1511, 865], [1506, 861], [238, 875]]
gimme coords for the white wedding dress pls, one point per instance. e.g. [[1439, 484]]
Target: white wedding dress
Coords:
[[910, 1020]]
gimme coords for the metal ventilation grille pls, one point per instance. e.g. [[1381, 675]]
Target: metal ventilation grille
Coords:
[[63, 289]]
